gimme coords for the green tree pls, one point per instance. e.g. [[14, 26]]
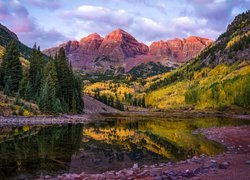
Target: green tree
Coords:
[[23, 85], [8, 88], [48, 99], [37, 64], [65, 78], [11, 67]]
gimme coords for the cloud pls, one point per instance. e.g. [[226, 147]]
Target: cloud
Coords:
[[218, 13], [102, 15], [156, 4], [146, 20], [17, 18], [103, 20], [49, 4]]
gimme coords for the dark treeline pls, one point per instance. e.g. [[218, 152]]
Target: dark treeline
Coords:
[[51, 83], [109, 100], [135, 101]]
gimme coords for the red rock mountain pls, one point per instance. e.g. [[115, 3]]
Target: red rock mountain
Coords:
[[122, 45], [181, 50], [121, 50]]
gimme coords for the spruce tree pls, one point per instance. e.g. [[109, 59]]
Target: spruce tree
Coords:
[[65, 81], [12, 68], [47, 97], [8, 87], [23, 85], [37, 64]]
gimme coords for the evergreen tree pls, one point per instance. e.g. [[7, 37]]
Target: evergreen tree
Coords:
[[37, 64], [11, 67], [1, 77], [23, 85], [65, 81], [77, 95], [8, 88], [48, 99]]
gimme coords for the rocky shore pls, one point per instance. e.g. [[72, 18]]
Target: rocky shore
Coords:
[[233, 164], [43, 120]]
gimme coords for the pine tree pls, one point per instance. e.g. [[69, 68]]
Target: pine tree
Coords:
[[37, 64], [65, 78], [8, 88], [23, 85], [12, 68], [1, 77], [47, 99], [77, 95]]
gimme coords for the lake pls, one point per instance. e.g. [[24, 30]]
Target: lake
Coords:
[[112, 143]]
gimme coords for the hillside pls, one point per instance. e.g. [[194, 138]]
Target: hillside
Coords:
[[6, 36], [218, 78]]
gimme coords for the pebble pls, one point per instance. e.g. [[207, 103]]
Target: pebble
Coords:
[[135, 166], [47, 177], [224, 165], [247, 162], [130, 172], [143, 174], [213, 161], [197, 170], [170, 173], [188, 173]]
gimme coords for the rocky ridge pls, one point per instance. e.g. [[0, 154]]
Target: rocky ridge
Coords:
[[120, 50]]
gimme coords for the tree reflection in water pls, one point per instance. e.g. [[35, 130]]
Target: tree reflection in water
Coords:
[[104, 145]]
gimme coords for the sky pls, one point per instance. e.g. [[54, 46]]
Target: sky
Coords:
[[52, 22]]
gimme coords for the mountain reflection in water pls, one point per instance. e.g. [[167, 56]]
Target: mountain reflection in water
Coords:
[[111, 144]]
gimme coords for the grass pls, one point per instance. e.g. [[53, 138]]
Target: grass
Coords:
[[9, 107]]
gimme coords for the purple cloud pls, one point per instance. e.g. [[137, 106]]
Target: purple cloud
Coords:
[[17, 18], [218, 13], [49, 4], [102, 15]]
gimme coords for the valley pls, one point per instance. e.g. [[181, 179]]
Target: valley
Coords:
[[128, 102]]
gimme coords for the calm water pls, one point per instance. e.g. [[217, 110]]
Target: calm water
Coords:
[[110, 144]]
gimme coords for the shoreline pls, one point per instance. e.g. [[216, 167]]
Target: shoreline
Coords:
[[232, 164], [235, 139], [88, 117]]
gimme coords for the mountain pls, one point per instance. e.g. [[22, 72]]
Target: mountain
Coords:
[[180, 50], [218, 78], [120, 52], [7, 36]]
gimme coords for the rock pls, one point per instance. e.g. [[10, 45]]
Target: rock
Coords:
[[188, 173], [224, 165], [82, 174], [156, 172], [170, 173], [47, 177], [59, 177], [179, 49], [182, 162], [213, 161], [247, 162], [158, 178], [197, 170], [135, 165], [129, 172], [204, 170], [143, 174], [75, 176]]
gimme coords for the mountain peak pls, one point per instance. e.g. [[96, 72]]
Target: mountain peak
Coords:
[[91, 37], [119, 35]]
